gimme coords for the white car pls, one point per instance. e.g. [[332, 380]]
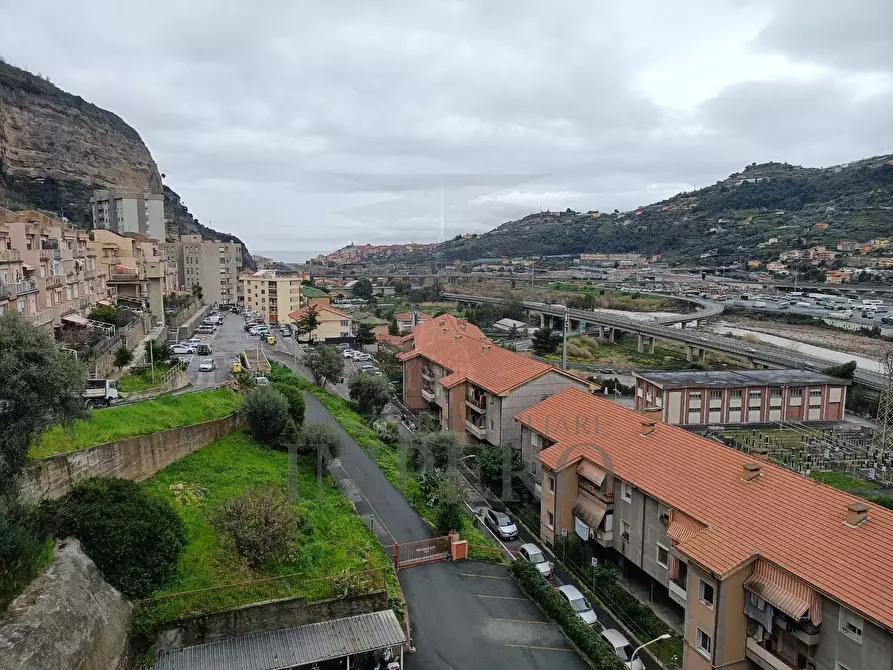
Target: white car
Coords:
[[533, 554], [347, 353], [207, 365], [360, 356], [192, 342], [183, 349], [579, 604], [623, 649]]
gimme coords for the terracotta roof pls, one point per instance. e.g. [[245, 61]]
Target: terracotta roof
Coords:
[[406, 316], [390, 339], [791, 521], [319, 308]]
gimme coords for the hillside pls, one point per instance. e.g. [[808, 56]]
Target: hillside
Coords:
[[727, 220], [55, 148]]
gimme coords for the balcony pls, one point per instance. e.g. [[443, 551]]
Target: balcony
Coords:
[[4, 291], [10, 255], [45, 255], [40, 318], [594, 491], [763, 657], [91, 274], [123, 277], [604, 537], [477, 403], [26, 286], [427, 374], [428, 393], [55, 281], [677, 591], [480, 432], [79, 252]]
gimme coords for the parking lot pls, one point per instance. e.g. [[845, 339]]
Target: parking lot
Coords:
[[498, 626], [226, 343]]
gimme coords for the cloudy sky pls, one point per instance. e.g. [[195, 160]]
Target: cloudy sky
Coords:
[[302, 126]]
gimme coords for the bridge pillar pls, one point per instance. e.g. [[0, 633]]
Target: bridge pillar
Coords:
[[641, 346], [611, 335], [689, 351], [651, 347]]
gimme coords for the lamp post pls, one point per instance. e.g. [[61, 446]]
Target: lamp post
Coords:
[[564, 340], [665, 636]]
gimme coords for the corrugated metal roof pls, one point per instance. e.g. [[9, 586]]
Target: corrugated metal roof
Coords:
[[293, 646]]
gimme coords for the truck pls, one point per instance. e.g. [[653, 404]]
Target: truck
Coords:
[[100, 393]]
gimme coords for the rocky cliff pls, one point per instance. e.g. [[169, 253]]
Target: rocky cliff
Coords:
[[55, 148]]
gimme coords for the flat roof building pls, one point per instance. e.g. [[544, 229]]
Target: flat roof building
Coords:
[[127, 210]]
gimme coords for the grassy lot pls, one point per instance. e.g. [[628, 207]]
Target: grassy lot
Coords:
[[624, 354], [332, 538], [844, 482], [117, 423], [388, 460], [143, 381]]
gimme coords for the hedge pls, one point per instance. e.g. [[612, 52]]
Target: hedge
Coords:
[[546, 596]]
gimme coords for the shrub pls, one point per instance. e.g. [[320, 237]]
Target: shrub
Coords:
[[450, 499], [295, 398], [267, 412], [430, 484], [261, 524], [387, 431], [133, 538], [123, 356], [21, 550], [370, 392], [316, 434], [433, 450], [588, 641], [158, 352]]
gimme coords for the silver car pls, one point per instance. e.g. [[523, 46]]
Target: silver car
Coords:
[[579, 604], [207, 365], [533, 554], [623, 649]]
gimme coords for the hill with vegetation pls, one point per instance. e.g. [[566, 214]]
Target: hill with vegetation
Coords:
[[55, 148], [732, 220]]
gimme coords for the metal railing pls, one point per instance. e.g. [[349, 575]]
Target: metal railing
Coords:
[[26, 286], [55, 281], [10, 255]]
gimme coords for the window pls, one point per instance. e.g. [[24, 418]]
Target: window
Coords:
[[492, 425], [851, 624], [626, 492], [716, 395], [624, 531], [533, 466], [796, 393], [551, 483], [663, 556], [550, 519], [344, 324], [705, 593], [694, 395], [704, 643], [775, 393], [755, 394], [815, 393], [736, 394]]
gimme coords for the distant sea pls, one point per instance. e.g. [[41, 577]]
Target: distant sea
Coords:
[[289, 256]]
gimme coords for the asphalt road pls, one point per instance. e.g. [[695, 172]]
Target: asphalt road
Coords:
[[774, 307]]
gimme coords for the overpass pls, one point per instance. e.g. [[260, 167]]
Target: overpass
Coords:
[[697, 342]]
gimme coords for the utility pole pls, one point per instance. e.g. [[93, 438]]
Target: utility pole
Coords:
[[564, 340]]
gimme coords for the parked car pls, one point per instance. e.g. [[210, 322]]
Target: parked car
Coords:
[[261, 381], [360, 356], [533, 554], [205, 329], [501, 524], [192, 341], [750, 350], [622, 649], [579, 604], [207, 365], [203, 349], [347, 353], [183, 349]]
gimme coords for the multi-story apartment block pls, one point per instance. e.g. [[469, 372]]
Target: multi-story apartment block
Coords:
[[741, 396], [48, 273], [215, 266], [273, 295], [471, 385], [127, 210], [770, 569], [334, 325], [407, 321]]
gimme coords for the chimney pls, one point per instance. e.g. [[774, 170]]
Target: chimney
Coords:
[[760, 453], [856, 514], [648, 427], [751, 471], [485, 348]]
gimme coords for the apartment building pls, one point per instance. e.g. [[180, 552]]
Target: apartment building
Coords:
[[741, 396], [310, 295], [771, 569], [48, 273], [272, 295], [215, 266], [407, 321], [471, 385], [127, 210], [334, 325]]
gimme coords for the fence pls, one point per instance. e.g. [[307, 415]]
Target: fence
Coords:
[[420, 552]]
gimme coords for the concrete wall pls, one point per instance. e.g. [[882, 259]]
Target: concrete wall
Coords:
[[135, 458], [632, 513], [264, 617], [874, 651], [508, 431], [175, 382], [68, 617], [698, 615], [731, 629]]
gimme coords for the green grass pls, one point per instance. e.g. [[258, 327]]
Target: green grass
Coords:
[[143, 381], [623, 353], [332, 538], [150, 416], [844, 482]]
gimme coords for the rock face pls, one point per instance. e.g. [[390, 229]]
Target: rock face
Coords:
[[68, 617], [55, 148]]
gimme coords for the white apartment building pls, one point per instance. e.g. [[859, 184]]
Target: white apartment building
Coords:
[[124, 210]]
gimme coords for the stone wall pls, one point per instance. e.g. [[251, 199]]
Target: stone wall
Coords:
[[266, 616], [68, 617], [188, 327], [174, 382], [130, 335], [134, 458]]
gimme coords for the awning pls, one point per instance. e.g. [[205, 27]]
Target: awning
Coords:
[[28, 267], [683, 528], [589, 512], [76, 320], [104, 303], [287, 648], [591, 472], [784, 592]]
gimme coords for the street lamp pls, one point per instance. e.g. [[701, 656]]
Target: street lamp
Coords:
[[665, 636]]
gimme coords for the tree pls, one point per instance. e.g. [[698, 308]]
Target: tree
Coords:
[[308, 322], [267, 412], [545, 341], [158, 352], [493, 461], [451, 498], [198, 292], [106, 314], [370, 392], [393, 327], [123, 356], [326, 363], [261, 523], [364, 334], [434, 450], [363, 289], [387, 431], [295, 397], [843, 371], [135, 539], [318, 435]]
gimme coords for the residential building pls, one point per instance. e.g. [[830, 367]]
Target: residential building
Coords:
[[471, 385], [134, 267], [379, 327], [769, 568], [741, 396], [272, 295], [383, 290], [214, 266], [847, 245], [790, 255], [310, 295], [838, 276], [334, 325], [407, 321], [776, 266], [127, 210], [47, 271]]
